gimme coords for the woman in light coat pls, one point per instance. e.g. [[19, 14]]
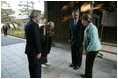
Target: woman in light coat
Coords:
[[91, 43]]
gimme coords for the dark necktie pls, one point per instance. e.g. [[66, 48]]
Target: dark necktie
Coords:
[[75, 24]]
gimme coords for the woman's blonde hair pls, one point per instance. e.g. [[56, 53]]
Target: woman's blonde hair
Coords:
[[87, 17]]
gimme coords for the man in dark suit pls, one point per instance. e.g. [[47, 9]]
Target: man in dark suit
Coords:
[[5, 28], [47, 33], [76, 39], [33, 44]]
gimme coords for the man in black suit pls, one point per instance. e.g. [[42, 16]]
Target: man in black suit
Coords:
[[5, 28], [76, 34], [33, 44]]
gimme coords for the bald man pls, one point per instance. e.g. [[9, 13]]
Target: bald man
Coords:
[[47, 33]]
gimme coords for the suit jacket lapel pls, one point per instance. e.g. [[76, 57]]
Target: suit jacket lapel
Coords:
[[73, 25], [78, 24]]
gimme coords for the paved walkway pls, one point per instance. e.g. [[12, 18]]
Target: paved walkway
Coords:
[[9, 40], [14, 62]]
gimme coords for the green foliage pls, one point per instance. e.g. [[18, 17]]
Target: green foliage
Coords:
[[26, 7], [18, 32], [6, 13]]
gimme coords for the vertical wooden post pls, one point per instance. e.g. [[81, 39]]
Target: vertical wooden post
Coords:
[[91, 10], [45, 10], [104, 17]]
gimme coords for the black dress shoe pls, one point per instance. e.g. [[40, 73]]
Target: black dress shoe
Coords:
[[71, 65], [76, 67], [83, 76]]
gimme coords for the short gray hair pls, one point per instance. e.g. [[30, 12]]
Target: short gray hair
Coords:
[[34, 13], [74, 11]]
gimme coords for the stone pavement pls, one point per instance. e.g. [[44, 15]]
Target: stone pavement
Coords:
[[14, 62], [8, 40]]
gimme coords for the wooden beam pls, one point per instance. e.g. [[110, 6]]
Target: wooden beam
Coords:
[[109, 44], [109, 52]]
